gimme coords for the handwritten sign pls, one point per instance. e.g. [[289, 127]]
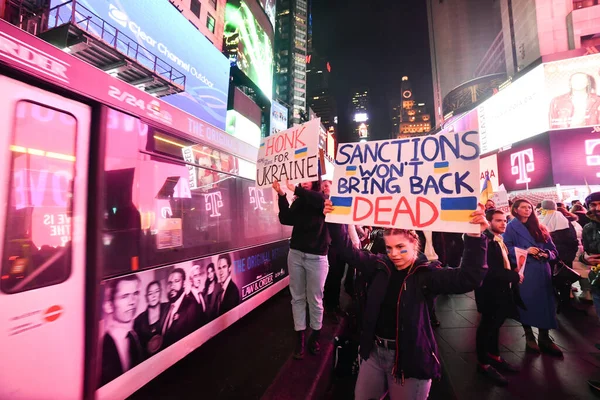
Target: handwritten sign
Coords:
[[427, 183], [500, 199], [291, 155]]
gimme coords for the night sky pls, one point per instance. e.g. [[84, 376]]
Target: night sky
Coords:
[[373, 44]]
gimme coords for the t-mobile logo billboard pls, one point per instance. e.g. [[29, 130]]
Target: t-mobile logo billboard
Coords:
[[521, 164], [591, 159]]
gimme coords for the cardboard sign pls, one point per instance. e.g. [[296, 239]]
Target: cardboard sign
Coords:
[[291, 155], [426, 183], [500, 199]]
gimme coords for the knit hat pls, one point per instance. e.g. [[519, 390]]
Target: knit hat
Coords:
[[549, 205], [592, 197]]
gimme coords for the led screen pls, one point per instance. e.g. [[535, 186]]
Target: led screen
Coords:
[[576, 156], [249, 46], [571, 89], [242, 128], [269, 7], [279, 117], [526, 165], [205, 68]]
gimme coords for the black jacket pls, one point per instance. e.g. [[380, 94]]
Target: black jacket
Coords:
[[566, 243], [496, 294], [310, 234], [416, 350], [185, 321], [231, 298]]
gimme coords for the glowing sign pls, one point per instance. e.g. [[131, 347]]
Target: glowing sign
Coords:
[[363, 131], [214, 202], [361, 117], [524, 165], [592, 160]]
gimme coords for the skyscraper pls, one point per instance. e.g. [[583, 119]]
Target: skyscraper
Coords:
[[291, 49], [359, 111], [412, 117], [320, 98]]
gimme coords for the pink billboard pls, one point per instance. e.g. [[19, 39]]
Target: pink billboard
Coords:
[[526, 165], [576, 156]]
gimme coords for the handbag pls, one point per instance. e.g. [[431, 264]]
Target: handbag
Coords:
[[563, 274]]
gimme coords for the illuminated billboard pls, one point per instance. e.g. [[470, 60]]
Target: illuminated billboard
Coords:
[[555, 95], [576, 156], [279, 117], [526, 165], [363, 131], [269, 6], [361, 117], [205, 68], [242, 128], [249, 46]]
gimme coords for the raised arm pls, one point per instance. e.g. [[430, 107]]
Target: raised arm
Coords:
[[468, 276], [364, 261], [286, 216]]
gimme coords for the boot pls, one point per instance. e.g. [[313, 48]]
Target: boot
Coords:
[[531, 345], [547, 345], [313, 342], [299, 349]]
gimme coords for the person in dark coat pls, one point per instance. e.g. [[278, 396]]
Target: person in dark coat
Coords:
[[497, 298], [149, 323], [231, 294], [397, 342], [182, 318]]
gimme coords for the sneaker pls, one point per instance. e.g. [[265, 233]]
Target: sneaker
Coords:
[[491, 373], [503, 365], [547, 346]]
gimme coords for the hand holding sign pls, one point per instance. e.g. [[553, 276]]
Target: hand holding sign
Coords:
[[521, 256], [277, 187], [290, 186]]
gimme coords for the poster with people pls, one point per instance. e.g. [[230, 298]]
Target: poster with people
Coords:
[[521, 256], [146, 312], [423, 183], [572, 86], [291, 155]]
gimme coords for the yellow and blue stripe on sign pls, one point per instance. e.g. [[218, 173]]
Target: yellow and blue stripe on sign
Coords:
[[457, 209], [262, 144], [299, 153], [440, 167], [341, 205], [351, 170]]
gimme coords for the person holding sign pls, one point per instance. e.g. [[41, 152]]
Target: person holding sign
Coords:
[[497, 298], [397, 341], [537, 292], [307, 259]]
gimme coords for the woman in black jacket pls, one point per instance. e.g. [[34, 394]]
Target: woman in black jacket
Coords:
[[307, 259], [397, 342]]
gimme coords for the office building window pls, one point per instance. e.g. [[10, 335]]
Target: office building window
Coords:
[[213, 3], [210, 23], [195, 7]]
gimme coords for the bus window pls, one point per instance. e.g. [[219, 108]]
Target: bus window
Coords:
[[38, 219]]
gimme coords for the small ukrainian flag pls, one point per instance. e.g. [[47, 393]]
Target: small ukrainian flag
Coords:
[[440, 167], [487, 191], [458, 209], [341, 205], [299, 153], [262, 144], [351, 170]]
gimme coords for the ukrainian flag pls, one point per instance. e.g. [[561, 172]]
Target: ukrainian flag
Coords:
[[440, 167], [458, 209], [299, 153], [262, 144], [351, 170], [487, 190], [341, 205]]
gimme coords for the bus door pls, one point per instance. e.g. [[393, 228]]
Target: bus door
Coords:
[[43, 182]]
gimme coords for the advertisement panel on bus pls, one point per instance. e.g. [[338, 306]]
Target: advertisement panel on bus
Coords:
[[146, 312], [177, 43]]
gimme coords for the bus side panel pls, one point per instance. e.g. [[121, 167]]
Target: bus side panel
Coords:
[[43, 169]]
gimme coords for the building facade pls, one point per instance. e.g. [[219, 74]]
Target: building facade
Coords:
[[359, 111], [291, 50], [320, 97], [208, 16], [412, 117], [460, 34]]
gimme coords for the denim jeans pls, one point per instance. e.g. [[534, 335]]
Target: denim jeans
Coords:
[[307, 280], [375, 377]]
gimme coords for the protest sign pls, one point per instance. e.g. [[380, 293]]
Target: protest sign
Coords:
[[426, 183], [521, 256], [291, 155], [500, 199]]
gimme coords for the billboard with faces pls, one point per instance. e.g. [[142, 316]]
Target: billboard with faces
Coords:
[[146, 312]]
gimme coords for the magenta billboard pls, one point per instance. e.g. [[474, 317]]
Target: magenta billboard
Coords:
[[576, 156], [526, 165]]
